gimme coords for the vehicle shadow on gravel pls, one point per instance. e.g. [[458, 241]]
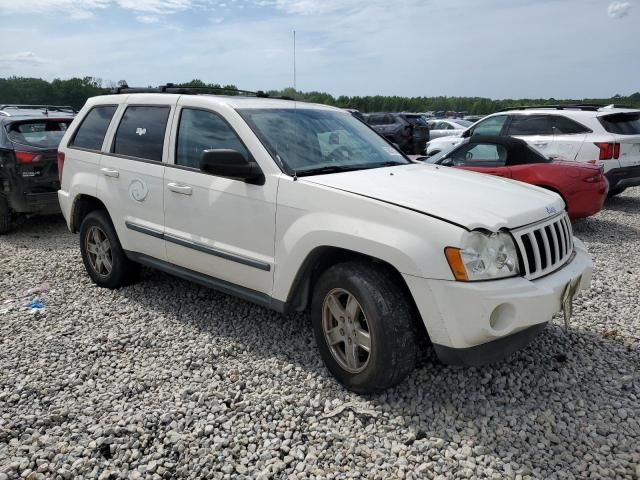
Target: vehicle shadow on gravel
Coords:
[[623, 203], [41, 233], [599, 230]]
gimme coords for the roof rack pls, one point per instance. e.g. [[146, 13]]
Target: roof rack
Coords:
[[587, 107], [46, 108], [172, 88]]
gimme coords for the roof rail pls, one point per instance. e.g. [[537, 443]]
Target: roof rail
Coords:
[[172, 88], [587, 107], [55, 108]]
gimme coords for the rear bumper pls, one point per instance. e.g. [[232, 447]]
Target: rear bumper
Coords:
[[35, 203], [623, 177], [587, 200]]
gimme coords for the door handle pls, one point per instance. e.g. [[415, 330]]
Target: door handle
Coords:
[[540, 144], [110, 173], [182, 189]]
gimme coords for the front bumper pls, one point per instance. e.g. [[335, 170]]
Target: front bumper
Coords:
[[462, 318], [623, 177]]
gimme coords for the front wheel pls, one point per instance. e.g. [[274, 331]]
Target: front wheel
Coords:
[[364, 326], [102, 254]]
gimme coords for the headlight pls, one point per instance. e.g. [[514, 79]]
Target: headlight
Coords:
[[483, 256]]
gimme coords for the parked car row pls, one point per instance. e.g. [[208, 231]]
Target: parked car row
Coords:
[[608, 136], [409, 131]]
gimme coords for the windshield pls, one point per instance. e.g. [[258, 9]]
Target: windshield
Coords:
[[308, 141], [39, 133]]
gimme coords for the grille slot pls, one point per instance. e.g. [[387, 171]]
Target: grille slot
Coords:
[[545, 246]]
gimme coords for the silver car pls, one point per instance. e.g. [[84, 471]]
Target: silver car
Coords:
[[445, 128]]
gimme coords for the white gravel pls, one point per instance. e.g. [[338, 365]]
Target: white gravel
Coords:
[[166, 379]]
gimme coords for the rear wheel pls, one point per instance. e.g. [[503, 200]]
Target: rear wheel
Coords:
[[102, 254], [5, 216], [364, 326], [616, 191]]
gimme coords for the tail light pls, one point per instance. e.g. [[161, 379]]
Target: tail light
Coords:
[[60, 165], [609, 151], [27, 158]]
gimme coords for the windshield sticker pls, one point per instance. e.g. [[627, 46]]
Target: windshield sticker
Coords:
[[141, 131], [392, 151]]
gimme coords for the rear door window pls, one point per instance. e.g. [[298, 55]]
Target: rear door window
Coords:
[[531, 125], [141, 132], [38, 133], [622, 123], [93, 128]]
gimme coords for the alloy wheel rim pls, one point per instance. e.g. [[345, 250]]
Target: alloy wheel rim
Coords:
[[346, 330], [99, 252]]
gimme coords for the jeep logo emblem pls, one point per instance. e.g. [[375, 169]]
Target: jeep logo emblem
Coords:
[[551, 210]]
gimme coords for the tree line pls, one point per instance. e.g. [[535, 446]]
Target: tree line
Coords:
[[75, 91]]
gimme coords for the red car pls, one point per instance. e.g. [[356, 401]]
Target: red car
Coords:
[[582, 186]]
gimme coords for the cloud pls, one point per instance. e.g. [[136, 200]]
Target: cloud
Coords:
[[619, 9], [303, 7], [21, 58], [147, 19], [82, 9], [156, 6]]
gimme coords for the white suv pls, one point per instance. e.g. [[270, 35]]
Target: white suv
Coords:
[[300, 207], [607, 136]]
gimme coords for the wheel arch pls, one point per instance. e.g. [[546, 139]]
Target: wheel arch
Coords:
[[320, 260], [84, 204]]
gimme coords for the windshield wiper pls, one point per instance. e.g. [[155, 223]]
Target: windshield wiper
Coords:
[[346, 168], [328, 169]]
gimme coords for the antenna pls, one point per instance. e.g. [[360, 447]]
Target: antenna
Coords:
[[294, 62]]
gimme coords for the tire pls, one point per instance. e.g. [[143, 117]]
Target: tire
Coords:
[[96, 229], [616, 191], [5, 216], [382, 309]]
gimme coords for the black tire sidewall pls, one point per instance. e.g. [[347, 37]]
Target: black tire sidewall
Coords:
[[5, 215], [381, 371], [120, 270]]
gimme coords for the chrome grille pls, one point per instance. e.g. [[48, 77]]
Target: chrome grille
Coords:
[[545, 246]]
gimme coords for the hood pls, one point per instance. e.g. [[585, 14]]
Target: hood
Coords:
[[471, 200]]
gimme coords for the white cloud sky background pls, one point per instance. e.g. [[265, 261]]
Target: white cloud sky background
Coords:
[[492, 48]]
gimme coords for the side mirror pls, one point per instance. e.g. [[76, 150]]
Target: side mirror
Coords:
[[466, 134], [446, 162], [231, 164]]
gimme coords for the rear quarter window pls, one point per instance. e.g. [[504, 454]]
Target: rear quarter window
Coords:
[[622, 123], [567, 126], [92, 130], [38, 133]]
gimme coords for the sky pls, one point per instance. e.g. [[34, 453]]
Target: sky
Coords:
[[488, 48]]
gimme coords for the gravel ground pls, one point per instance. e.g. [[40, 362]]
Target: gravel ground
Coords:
[[165, 379]]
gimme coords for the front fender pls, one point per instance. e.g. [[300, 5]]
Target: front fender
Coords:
[[311, 216]]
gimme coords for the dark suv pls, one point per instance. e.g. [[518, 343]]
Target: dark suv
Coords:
[[29, 138], [409, 131]]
